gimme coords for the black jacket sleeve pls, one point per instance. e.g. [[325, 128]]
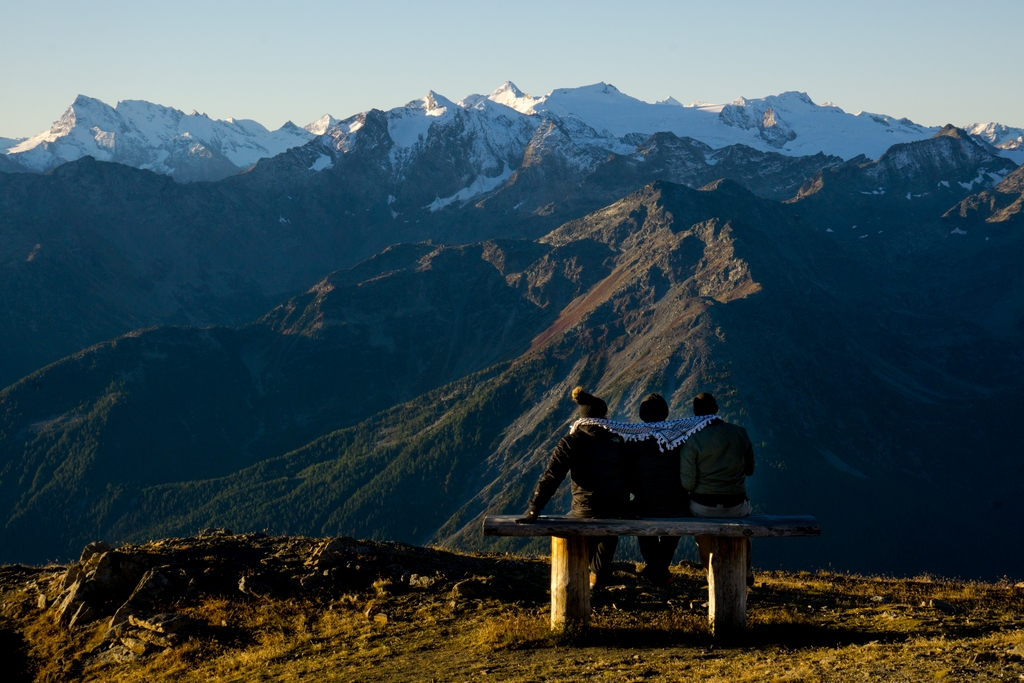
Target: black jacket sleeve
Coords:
[[558, 467]]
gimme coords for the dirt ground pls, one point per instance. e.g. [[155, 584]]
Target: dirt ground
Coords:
[[489, 621]]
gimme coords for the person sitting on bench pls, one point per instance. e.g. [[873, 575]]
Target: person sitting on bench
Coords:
[[657, 492], [594, 459], [714, 465]]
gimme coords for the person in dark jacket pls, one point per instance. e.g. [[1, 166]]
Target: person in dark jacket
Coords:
[[657, 492], [714, 466], [594, 459]]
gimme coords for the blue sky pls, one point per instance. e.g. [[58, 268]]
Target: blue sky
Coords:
[[934, 62]]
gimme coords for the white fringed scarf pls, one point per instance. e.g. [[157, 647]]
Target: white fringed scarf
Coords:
[[669, 434]]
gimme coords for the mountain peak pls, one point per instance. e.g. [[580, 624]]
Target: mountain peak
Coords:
[[321, 125], [511, 96], [670, 101], [951, 131], [510, 88]]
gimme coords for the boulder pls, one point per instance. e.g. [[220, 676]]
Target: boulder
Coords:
[[153, 585], [471, 589], [94, 548], [83, 615], [214, 532], [68, 604]]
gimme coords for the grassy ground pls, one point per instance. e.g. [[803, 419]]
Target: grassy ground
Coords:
[[802, 627]]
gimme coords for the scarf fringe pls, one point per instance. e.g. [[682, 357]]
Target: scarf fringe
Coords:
[[669, 434]]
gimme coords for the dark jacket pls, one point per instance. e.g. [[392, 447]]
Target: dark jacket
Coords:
[[595, 460], [654, 481], [717, 460]]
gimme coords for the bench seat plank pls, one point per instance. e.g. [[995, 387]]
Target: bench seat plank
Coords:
[[564, 526]]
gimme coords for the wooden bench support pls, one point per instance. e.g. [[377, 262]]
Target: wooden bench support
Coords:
[[570, 582], [727, 573], [727, 585]]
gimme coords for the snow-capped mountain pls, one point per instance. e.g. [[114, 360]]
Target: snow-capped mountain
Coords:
[[790, 123], [1010, 141], [492, 134], [149, 136]]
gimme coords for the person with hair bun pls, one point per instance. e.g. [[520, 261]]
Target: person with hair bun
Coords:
[[594, 459]]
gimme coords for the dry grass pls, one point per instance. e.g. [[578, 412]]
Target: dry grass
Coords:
[[511, 631], [819, 628]]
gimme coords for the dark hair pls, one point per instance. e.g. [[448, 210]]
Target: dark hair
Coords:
[[653, 409], [704, 404]]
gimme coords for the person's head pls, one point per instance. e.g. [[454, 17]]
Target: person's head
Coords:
[[653, 409], [590, 406], [704, 404]]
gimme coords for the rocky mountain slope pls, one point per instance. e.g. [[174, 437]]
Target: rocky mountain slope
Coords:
[[92, 250], [864, 362]]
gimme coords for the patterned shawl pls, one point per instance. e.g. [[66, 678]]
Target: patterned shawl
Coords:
[[669, 433]]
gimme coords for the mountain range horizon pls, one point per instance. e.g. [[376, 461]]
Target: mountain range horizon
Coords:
[[123, 132], [373, 332]]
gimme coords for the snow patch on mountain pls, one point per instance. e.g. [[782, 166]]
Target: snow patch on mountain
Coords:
[[322, 162], [481, 185]]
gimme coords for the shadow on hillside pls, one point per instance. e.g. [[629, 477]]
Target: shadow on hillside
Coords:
[[14, 657], [793, 636]]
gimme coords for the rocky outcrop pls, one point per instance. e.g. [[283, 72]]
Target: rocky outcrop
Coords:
[[130, 587]]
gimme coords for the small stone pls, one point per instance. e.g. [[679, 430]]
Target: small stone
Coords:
[[380, 618], [251, 585], [158, 639], [42, 602], [117, 654], [879, 599], [139, 647], [162, 623]]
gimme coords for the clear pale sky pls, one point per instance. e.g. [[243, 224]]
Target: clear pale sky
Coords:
[[934, 62]]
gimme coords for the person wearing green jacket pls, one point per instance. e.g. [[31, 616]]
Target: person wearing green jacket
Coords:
[[714, 464]]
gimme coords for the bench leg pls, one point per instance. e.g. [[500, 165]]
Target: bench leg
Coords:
[[570, 582], [727, 585]]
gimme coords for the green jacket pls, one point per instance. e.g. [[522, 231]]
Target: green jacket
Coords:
[[716, 460]]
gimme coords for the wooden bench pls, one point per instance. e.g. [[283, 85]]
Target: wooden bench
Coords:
[[570, 571]]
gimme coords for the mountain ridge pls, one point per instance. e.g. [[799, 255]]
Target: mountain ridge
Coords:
[[193, 147], [812, 340]]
